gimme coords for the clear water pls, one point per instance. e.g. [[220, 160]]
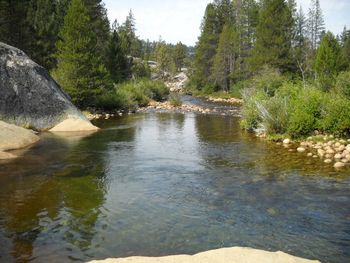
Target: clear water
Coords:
[[158, 184]]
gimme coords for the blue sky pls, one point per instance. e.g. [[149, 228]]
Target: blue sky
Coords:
[[179, 20]]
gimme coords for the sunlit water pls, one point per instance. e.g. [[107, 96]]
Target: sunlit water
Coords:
[[158, 184]]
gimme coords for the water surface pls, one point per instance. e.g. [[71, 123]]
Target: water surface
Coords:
[[158, 183]]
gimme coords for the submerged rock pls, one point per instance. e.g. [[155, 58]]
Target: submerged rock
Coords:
[[339, 165], [29, 97]]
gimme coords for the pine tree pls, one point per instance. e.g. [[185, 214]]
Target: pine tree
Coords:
[[293, 9], [117, 63], [344, 40], [225, 13], [180, 55], [315, 23], [42, 19], [225, 58], [127, 32], [206, 48], [61, 11], [301, 50], [14, 28], [274, 36], [99, 24], [164, 57], [246, 20], [80, 70], [327, 62]]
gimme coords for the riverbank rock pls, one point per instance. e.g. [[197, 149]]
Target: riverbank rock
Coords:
[[178, 82], [224, 255], [286, 141], [339, 165], [228, 101], [13, 137], [76, 125], [301, 149], [29, 97]]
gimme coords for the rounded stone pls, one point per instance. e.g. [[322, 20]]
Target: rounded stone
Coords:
[[321, 152], [301, 149], [338, 156], [328, 161], [286, 141], [339, 165]]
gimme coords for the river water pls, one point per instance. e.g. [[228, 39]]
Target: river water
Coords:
[[155, 184]]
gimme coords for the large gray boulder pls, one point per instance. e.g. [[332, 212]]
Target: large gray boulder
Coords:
[[29, 97]]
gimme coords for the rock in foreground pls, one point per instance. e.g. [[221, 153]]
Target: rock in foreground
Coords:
[[225, 255], [13, 137], [29, 97]]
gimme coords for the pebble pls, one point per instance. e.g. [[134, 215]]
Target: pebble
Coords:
[[339, 165], [338, 156], [301, 149], [286, 141], [328, 161]]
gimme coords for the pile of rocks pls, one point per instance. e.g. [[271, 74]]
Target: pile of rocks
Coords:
[[229, 101], [100, 116], [331, 150], [166, 106], [177, 83]]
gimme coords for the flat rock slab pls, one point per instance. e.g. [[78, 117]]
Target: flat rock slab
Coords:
[[13, 137], [224, 255]]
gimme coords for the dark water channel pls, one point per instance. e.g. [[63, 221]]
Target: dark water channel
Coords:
[[164, 183]]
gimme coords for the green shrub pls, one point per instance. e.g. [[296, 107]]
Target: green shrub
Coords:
[[140, 70], [335, 114], [305, 112], [129, 95], [342, 86], [251, 118], [274, 114], [236, 89], [175, 100], [268, 80], [155, 90]]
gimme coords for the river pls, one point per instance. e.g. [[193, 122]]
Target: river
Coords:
[[155, 184]]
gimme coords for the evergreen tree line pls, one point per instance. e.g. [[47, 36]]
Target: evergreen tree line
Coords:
[[239, 38], [75, 41]]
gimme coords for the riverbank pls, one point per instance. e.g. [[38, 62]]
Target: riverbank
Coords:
[[330, 150], [200, 105], [167, 106], [224, 255]]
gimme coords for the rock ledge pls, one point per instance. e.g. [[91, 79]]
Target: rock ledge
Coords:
[[224, 255]]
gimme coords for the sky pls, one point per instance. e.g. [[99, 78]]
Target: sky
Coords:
[[179, 20]]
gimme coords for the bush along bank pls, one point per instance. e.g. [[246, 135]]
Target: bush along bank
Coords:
[[296, 110], [127, 97]]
